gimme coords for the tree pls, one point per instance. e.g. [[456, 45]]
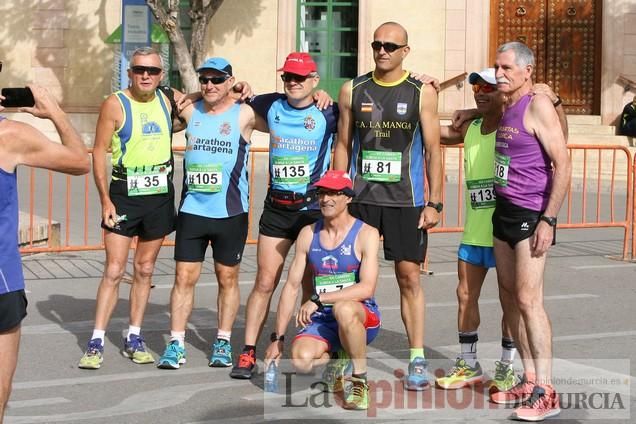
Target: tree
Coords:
[[201, 12]]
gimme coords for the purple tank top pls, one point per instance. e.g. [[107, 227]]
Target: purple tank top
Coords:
[[11, 277], [523, 170]]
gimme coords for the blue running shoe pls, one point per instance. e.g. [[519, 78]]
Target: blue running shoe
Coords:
[[417, 379], [221, 354], [135, 349], [173, 357]]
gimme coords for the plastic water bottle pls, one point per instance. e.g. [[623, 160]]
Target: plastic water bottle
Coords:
[[271, 378]]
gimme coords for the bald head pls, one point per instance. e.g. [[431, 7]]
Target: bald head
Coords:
[[398, 30]]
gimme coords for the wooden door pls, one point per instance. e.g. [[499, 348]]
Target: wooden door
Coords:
[[565, 36]]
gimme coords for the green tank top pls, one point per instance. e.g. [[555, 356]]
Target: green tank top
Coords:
[[479, 159], [143, 138]]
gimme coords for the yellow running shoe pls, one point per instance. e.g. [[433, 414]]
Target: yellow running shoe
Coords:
[[358, 395], [461, 375]]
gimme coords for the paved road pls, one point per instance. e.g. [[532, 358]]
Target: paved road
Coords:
[[589, 296]]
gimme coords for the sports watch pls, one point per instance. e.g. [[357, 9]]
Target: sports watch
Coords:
[[316, 299], [550, 220], [437, 206]]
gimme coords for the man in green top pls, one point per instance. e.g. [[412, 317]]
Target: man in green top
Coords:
[[135, 124]]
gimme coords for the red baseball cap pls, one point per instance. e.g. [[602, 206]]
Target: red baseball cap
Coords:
[[336, 180], [299, 63]]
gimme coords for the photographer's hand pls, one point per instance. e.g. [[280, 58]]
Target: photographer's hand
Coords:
[[45, 105]]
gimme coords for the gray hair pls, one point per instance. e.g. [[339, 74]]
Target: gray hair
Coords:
[[147, 51], [523, 54]]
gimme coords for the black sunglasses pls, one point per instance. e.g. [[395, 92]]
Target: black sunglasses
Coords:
[[214, 80], [388, 47], [139, 70], [293, 77], [327, 192]]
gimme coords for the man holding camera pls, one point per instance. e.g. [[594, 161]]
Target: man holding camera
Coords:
[[22, 144], [136, 125]]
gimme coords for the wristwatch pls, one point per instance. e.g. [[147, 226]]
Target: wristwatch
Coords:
[[550, 220], [557, 102], [437, 206], [275, 338], [316, 299]]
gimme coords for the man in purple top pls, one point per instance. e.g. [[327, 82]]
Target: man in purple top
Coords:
[[532, 171], [23, 144]]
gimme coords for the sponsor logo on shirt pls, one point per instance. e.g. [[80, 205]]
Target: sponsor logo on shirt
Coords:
[[402, 108]]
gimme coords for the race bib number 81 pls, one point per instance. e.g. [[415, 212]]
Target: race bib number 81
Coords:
[[385, 167]]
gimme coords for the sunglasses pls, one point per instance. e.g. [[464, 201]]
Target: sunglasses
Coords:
[[140, 70], [330, 193], [214, 80], [294, 77], [484, 88], [388, 47]]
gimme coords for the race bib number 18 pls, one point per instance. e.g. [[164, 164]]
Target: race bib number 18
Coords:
[[502, 163], [385, 167], [146, 182]]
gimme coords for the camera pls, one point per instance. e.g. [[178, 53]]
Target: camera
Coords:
[[17, 97]]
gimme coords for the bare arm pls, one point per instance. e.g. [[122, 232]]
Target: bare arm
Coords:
[[110, 117], [540, 88], [247, 119], [31, 147], [544, 121], [342, 151], [450, 136], [431, 133]]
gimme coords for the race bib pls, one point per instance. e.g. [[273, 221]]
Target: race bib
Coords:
[[290, 170], [384, 167], [502, 163], [482, 193], [335, 282], [147, 181], [205, 178]]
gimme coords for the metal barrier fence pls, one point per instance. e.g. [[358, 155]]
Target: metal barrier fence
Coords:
[[64, 212]]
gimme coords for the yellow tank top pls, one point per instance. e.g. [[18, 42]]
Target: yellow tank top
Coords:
[[144, 136]]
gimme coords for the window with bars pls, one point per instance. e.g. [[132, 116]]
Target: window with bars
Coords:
[[328, 30]]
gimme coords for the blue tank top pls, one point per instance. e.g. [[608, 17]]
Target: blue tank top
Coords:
[[300, 142], [334, 269], [215, 165], [11, 277]]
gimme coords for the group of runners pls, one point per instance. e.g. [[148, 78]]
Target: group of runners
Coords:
[[384, 133]]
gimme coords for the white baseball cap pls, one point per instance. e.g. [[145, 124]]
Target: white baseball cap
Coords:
[[487, 75]]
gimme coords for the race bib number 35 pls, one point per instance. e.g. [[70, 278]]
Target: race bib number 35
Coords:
[[482, 193], [385, 167], [290, 170], [146, 182], [502, 164], [205, 178]]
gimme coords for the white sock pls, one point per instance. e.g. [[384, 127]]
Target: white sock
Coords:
[[133, 330], [179, 336], [508, 350], [99, 334], [224, 335]]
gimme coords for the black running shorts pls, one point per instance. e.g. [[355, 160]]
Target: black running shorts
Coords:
[[13, 309], [512, 223], [403, 241], [149, 217], [227, 237], [285, 224]]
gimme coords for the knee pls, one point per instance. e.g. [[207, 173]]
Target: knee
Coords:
[[410, 285], [527, 302], [345, 313], [302, 360], [114, 273], [464, 297], [144, 269], [265, 283]]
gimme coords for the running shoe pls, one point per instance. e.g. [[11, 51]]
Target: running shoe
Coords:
[[246, 365], [173, 357], [505, 378], [221, 354], [135, 349], [461, 375], [417, 379], [94, 355], [357, 395], [336, 369], [519, 393], [539, 406]]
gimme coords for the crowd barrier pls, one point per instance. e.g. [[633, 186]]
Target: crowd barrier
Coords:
[[600, 195]]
